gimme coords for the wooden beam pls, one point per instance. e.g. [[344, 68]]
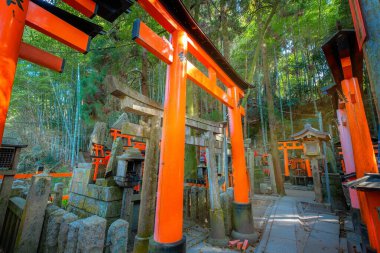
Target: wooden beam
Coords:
[[86, 7], [155, 44], [208, 83], [45, 22], [134, 102], [41, 57]]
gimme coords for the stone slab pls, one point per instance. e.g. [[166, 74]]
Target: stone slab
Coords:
[[76, 200], [276, 245], [67, 218], [91, 235], [80, 179], [117, 237], [111, 193], [102, 208]]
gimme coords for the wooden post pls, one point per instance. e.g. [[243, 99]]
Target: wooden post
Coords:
[[169, 209], [32, 219], [12, 23], [217, 232], [149, 187]]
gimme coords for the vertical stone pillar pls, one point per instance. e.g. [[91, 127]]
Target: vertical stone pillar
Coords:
[[226, 205], [194, 203], [217, 233], [126, 205], [58, 194], [5, 193], [186, 208], [117, 150], [202, 205], [32, 220], [149, 187], [316, 180]]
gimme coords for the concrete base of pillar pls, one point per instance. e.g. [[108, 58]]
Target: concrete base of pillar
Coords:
[[141, 244], [242, 223], [177, 247], [217, 232]]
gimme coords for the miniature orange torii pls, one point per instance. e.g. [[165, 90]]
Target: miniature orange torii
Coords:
[[292, 145]]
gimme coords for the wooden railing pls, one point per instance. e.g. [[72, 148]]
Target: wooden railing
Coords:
[[12, 223]]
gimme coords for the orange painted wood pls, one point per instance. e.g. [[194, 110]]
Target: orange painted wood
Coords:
[[86, 7], [208, 84], [169, 208], [50, 25], [161, 15], [12, 22], [41, 57], [245, 245], [30, 175], [158, 46], [239, 169]]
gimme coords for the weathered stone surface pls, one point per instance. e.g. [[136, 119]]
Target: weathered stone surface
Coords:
[[67, 218], [58, 194], [52, 230], [186, 202], [194, 203], [32, 220], [103, 193], [202, 205], [5, 194], [49, 210], [76, 200], [91, 235], [72, 236], [226, 203], [102, 208], [81, 178], [117, 150], [105, 182], [99, 133], [117, 237], [79, 212]]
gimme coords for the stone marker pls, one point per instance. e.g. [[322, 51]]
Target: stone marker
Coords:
[[58, 192], [186, 197], [202, 205], [117, 150], [99, 133], [32, 220], [194, 203], [117, 237], [91, 235], [72, 236], [226, 204], [67, 218], [217, 233], [149, 188], [54, 221], [5, 193]]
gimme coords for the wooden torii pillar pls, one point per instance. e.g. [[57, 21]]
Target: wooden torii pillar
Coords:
[[185, 39], [345, 61]]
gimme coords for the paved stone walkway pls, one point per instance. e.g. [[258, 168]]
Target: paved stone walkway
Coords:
[[298, 226]]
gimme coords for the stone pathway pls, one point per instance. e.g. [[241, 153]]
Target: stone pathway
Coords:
[[298, 225]]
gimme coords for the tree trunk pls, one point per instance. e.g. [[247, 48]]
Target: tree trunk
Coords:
[[272, 124]]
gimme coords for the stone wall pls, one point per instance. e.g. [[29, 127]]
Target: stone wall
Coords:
[[102, 198], [65, 232]]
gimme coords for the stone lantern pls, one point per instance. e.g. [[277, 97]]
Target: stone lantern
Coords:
[[128, 175], [311, 139]]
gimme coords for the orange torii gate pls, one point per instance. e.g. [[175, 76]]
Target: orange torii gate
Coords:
[[187, 38], [292, 145]]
